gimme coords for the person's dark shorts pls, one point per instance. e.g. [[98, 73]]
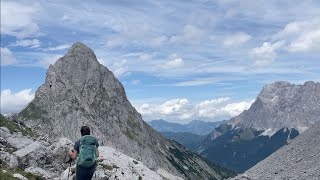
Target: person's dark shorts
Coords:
[[83, 173]]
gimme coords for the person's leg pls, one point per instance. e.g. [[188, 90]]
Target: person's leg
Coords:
[[91, 171], [81, 173], [84, 173]]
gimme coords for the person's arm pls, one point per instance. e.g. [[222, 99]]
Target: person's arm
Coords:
[[75, 150], [97, 152], [73, 154]]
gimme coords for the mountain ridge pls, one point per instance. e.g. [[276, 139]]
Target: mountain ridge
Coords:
[[280, 100], [195, 126], [281, 112]]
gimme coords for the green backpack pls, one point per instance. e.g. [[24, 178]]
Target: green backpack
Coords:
[[87, 156]]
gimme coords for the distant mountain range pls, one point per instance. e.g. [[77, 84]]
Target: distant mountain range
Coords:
[[281, 112], [195, 127], [190, 135], [189, 140]]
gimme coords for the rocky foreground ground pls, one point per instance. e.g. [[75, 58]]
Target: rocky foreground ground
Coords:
[[25, 155]]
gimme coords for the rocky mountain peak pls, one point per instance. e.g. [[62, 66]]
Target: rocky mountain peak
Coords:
[[80, 49], [283, 105], [281, 112], [79, 91]]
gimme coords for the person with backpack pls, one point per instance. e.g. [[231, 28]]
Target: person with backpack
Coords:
[[86, 152]]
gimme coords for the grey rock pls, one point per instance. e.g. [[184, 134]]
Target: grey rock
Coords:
[[19, 176], [19, 141], [298, 160], [40, 156], [4, 132], [79, 91], [8, 160], [117, 166], [39, 171], [283, 105], [27, 150]]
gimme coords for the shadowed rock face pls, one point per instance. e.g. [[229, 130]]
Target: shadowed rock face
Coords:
[[298, 160], [79, 91]]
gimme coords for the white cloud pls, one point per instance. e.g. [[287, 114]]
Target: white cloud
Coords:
[[159, 41], [145, 57], [135, 82], [173, 106], [220, 108], [236, 39], [290, 29], [205, 81], [175, 63], [181, 110], [196, 82], [115, 41], [190, 34], [57, 48], [306, 41], [120, 68], [6, 57], [211, 102], [235, 109], [172, 109], [50, 59], [302, 36], [33, 43], [17, 19], [266, 54], [14, 102]]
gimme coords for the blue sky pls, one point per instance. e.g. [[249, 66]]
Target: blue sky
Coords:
[[178, 60]]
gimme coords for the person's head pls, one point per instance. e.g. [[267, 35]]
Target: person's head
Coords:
[[85, 130]]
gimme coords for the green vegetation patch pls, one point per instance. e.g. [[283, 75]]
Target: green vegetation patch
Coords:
[[15, 127], [132, 123], [6, 175], [106, 166], [177, 153], [9, 174], [129, 134], [223, 128], [176, 165], [32, 112], [246, 135], [10, 149], [225, 173]]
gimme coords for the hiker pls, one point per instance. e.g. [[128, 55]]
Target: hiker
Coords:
[[86, 152]]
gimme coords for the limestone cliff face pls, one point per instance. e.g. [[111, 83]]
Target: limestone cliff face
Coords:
[[283, 105], [79, 91]]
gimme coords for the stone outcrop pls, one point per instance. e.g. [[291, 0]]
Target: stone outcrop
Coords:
[[115, 165], [42, 158]]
